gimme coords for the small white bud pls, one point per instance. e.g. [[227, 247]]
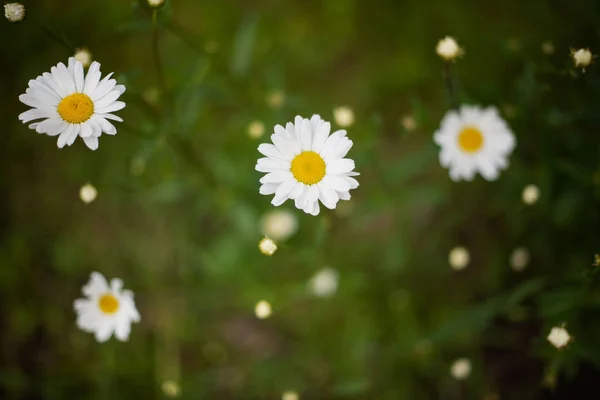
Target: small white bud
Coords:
[[88, 193], [275, 98], [84, 56], [459, 258], [156, 3], [263, 309], [14, 12], [582, 58], [448, 49], [279, 224], [343, 116], [267, 246], [408, 123], [324, 283], [519, 259], [531, 194], [290, 395], [559, 337], [461, 368], [256, 129], [171, 388]]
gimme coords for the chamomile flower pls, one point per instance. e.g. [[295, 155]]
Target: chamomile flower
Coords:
[[472, 140], [305, 163], [71, 104], [107, 309]]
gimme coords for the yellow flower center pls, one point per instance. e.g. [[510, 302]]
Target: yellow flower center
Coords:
[[308, 167], [76, 108], [108, 304], [470, 139]]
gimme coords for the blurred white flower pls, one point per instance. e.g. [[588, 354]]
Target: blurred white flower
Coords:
[[275, 98], [459, 258], [267, 246], [279, 224], [106, 309], [582, 58], [88, 193], [343, 116], [324, 283], [559, 337], [156, 3], [256, 129], [84, 56], [408, 123], [531, 194], [474, 139], [171, 388], [519, 259], [306, 164], [263, 309], [461, 368], [290, 395], [448, 49], [71, 103], [14, 12]]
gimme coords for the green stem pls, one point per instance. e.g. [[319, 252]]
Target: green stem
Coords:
[[155, 53], [450, 81], [52, 36]]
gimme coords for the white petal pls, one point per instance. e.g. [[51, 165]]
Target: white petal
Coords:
[[282, 192], [276, 177], [270, 150], [86, 130], [91, 142], [104, 332], [340, 166], [268, 188], [92, 78], [64, 136], [321, 137]]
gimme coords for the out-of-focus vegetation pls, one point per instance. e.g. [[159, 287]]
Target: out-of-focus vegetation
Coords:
[[178, 210]]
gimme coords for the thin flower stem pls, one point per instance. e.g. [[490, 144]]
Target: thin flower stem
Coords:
[[155, 53], [450, 81], [52, 36], [186, 37]]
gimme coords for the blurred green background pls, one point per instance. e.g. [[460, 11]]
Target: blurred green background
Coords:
[[178, 210]]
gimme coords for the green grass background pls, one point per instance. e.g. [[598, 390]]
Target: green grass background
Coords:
[[183, 230]]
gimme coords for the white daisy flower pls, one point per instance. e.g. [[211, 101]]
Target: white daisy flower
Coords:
[[306, 164], [106, 309], [72, 104], [474, 139]]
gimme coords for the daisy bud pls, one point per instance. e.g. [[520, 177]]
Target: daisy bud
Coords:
[[88, 193], [275, 98], [263, 309], [84, 56], [459, 258], [461, 369], [559, 337], [156, 3], [171, 388], [408, 123], [548, 47], [519, 259], [290, 395], [267, 246], [448, 49], [256, 129], [279, 224], [14, 12], [324, 283], [582, 58], [343, 116], [531, 194]]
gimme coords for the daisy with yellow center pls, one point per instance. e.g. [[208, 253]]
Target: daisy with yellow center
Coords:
[[306, 164], [107, 309], [474, 140], [70, 103]]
